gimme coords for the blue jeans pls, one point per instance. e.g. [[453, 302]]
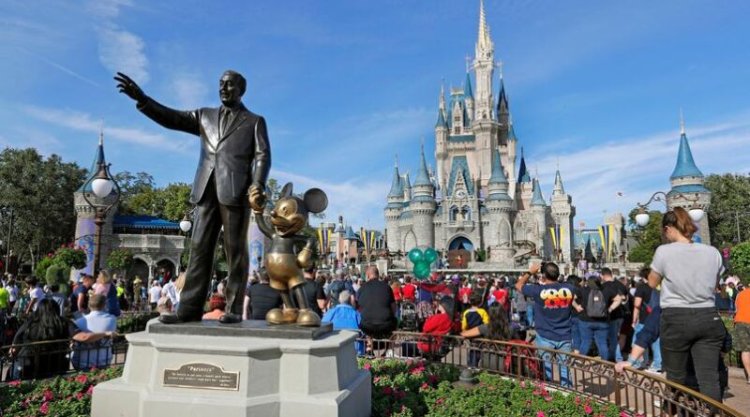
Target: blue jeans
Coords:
[[655, 347], [530, 315], [575, 329], [598, 331], [613, 340], [563, 346]]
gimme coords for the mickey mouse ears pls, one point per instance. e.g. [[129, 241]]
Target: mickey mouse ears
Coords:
[[315, 200]]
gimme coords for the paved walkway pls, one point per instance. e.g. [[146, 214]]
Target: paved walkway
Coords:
[[739, 391]]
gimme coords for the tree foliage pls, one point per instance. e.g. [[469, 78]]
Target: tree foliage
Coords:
[[120, 259], [36, 198], [740, 260], [647, 238], [730, 208], [139, 196]]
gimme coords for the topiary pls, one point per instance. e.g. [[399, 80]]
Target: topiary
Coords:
[[55, 275]]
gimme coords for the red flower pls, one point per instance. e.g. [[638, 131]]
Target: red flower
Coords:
[[82, 379], [588, 409], [440, 401], [578, 400], [48, 395], [90, 390], [79, 396], [425, 385], [540, 414], [15, 383], [387, 391], [44, 409], [367, 366]]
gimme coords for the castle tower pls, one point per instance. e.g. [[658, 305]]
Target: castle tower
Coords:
[[500, 206], [393, 212], [441, 138], [423, 205], [563, 212], [539, 210], [524, 187], [688, 186], [85, 236]]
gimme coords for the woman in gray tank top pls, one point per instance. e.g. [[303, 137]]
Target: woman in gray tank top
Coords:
[[692, 332]]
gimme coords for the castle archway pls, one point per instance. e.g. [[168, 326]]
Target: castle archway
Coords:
[[461, 243], [460, 251]]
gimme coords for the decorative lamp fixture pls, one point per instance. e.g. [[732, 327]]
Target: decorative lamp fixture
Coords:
[[185, 224], [696, 212], [102, 184]]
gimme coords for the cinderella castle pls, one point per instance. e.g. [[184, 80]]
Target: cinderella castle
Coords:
[[478, 203]]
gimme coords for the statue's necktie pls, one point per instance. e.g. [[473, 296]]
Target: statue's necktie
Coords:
[[224, 120]]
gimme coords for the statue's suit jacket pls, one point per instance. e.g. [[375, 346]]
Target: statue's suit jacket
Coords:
[[240, 157]]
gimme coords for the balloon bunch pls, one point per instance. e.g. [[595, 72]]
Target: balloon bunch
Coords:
[[422, 261]]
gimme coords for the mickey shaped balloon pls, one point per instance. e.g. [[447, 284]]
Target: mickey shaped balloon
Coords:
[[422, 261]]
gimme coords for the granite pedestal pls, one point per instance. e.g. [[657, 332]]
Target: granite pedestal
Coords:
[[240, 370]]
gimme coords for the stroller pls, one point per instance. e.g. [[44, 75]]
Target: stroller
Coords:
[[409, 320]]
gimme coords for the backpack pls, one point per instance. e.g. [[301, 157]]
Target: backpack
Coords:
[[596, 305]]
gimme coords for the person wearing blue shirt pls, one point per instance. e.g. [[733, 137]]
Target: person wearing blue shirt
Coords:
[[343, 316], [552, 311], [92, 345]]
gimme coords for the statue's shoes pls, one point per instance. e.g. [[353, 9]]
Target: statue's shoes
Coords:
[[229, 318], [173, 318]]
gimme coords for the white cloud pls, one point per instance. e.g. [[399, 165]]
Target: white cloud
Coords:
[[86, 123], [120, 50], [640, 166]]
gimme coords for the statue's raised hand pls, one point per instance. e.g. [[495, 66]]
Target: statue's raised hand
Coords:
[[129, 87]]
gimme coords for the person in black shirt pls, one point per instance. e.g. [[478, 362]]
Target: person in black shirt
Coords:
[[596, 329], [377, 306], [616, 316], [263, 298], [316, 297], [641, 313], [575, 322]]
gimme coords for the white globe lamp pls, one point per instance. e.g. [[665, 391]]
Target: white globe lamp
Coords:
[[185, 225], [696, 214], [642, 219], [102, 187]]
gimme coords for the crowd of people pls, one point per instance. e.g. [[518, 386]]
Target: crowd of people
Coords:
[[664, 320]]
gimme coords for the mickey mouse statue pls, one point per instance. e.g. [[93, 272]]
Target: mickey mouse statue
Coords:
[[283, 264]]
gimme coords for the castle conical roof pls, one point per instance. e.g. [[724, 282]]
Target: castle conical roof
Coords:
[[468, 93], [498, 174], [397, 187], [423, 177], [523, 173], [685, 166], [537, 199]]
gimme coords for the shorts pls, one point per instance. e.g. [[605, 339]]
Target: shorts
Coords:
[[742, 337]]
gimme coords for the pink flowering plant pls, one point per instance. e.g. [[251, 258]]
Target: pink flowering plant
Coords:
[[62, 396], [414, 388]]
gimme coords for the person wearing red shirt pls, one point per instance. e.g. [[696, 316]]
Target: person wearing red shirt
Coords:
[[397, 293], [409, 291], [502, 295], [436, 326]]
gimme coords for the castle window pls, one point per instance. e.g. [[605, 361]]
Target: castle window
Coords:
[[466, 213], [453, 214]]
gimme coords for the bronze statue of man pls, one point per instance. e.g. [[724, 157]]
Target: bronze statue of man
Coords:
[[235, 156]]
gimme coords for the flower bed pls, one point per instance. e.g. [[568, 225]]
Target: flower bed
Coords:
[[414, 388], [68, 396], [400, 388]]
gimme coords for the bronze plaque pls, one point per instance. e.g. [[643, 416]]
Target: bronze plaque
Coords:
[[202, 376]]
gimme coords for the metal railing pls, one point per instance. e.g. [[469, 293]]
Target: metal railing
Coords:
[[635, 392], [58, 357]]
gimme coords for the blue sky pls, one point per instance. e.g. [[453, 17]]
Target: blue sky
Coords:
[[344, 85]]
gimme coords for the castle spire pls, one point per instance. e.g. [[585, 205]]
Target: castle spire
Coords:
[[685, 166], [682, 123], [397, 187], [484, 41], [559, 189], [423, 176], [537, 199], [498, 174], [523, 172], [468, 93]]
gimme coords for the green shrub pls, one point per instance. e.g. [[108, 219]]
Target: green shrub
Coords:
[[55, 274], [41, 267], [71, 257]]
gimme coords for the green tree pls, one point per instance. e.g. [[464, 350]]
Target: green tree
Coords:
[[130, 186], [729, 213], [175, 198], [36, 201], [740, 260], [120, 260], [647, 238]]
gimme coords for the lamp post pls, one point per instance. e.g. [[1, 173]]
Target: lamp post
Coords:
[[696, 212], [102, 184]]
